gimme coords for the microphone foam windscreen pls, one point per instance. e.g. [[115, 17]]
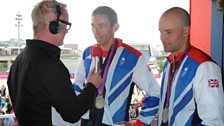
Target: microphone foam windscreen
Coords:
[[96, 51]]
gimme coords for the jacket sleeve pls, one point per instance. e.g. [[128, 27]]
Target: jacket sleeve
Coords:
[[79, 78], [144, 78], [209, 97], [58, 86], [82, 71]]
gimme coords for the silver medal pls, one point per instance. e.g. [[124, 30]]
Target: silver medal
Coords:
[[165, 115], [100, 102]]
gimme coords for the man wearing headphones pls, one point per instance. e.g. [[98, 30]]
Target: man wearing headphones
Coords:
[[38, 79]]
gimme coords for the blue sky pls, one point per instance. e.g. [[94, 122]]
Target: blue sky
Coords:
[[138, 19]]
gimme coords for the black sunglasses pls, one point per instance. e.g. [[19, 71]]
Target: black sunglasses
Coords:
[[67, 23]]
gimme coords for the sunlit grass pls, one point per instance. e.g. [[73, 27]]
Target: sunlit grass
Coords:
[[69, 56]]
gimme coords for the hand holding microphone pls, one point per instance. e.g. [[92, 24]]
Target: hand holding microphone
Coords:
[[95, 74], [95, 78], [96, 54]]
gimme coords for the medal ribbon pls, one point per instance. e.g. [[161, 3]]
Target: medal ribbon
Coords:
[[105, 71], [173, 74]]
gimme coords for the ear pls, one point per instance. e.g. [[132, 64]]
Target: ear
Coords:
[[187, 31], [115, 27]]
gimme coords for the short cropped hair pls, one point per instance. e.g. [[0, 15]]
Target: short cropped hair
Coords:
[[109, 12]]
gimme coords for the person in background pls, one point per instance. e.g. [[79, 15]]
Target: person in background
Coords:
[[38, 80], [3, 91], [9, 121], [122, 67], [220, 7], [191, 89]]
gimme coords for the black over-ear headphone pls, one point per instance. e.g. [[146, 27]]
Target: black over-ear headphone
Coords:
[[55, 26]]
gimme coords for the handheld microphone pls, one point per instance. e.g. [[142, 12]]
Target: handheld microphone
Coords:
[[96, 54]]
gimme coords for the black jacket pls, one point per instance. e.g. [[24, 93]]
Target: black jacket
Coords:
[[39, 80]]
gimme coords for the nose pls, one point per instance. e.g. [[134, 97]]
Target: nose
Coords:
[[164, 36], [95, 30]]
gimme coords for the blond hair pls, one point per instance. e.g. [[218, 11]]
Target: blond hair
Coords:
[[42, 14]]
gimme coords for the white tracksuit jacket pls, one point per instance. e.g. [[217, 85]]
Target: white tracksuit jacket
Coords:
[[127, 66], [197, 89]]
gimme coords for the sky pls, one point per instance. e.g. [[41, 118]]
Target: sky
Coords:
[[138, 19]]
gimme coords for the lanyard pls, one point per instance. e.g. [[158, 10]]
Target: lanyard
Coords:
[[172, 75], [106, 66]]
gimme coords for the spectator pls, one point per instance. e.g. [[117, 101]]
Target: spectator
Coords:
[[3, 91]]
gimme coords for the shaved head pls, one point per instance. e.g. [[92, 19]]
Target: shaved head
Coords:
[[174, 27], [179, 13]]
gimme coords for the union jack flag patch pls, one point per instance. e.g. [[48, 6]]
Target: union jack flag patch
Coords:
[[213, 83]]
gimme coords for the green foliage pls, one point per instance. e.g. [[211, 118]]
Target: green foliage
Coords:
[[160, 57], [160, 63], [3, 67]]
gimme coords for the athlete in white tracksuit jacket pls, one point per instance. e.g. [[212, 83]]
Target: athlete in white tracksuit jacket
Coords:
[[197, 92], [127, 66], [192, 88]]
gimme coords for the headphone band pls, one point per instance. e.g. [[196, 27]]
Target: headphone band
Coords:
[[57, 9], [55, 26]]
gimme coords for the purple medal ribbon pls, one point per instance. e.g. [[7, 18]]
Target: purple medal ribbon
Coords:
[[172, 76], [111, 55]]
